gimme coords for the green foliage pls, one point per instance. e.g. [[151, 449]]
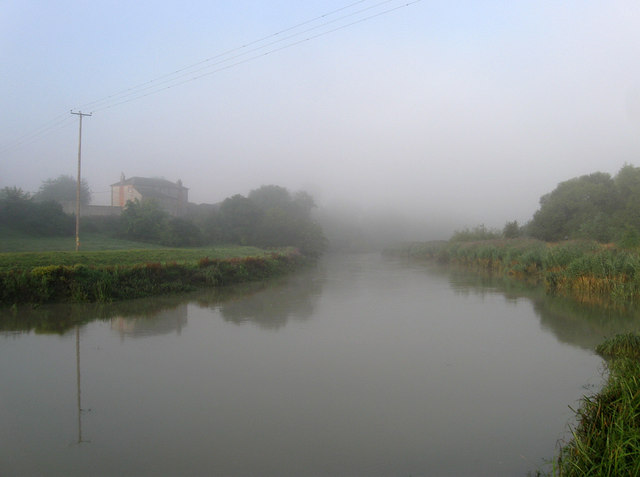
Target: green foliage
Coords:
[[12, 240], [236, 220], [180, 232], [606, 441], [586, 202], [89, 283], [583, 270], [269, 217], [620, 346], [595, 207], [143, 220], [630, 238], [106, 258], [562, 255], [480, 232], [19, 211], [286, 220], [63, 189], [511, 230]]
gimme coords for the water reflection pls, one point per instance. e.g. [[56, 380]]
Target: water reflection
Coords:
[[269, 304], [579, 324], [165, 321], [390, 373]]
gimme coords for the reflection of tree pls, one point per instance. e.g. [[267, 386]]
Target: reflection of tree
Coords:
[[60, 318], [270, 304], [570, 321]]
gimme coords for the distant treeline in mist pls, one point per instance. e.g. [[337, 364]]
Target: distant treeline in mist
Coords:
[[590, 207], [269, 217], [595, 206]]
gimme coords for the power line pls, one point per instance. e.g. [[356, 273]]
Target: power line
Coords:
[[54, 124], [217, 56], [177, 81], [225, 60], [176, 78]]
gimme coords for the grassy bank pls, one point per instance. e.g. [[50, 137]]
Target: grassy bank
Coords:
[[118, 275], [107, 258], [583, 270], [16, 241], [606, 440]]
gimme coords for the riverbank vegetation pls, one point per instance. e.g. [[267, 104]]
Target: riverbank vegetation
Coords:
[[582, 243], [145, 251], [583, 270], [606, 439], [269, 216], [109, 276]]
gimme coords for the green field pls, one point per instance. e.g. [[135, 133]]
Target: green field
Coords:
[[18, 251], [14, 241]]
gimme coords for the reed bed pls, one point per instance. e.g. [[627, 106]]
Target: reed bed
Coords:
[[606, 439], [584, 270]]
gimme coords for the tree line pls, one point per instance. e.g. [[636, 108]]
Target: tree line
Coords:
[[595, 206], [269, 216]]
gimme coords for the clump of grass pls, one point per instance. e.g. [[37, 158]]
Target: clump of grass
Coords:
[[606, 441], [621, 346]]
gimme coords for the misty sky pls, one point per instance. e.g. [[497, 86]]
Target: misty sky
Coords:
[[465, 110]]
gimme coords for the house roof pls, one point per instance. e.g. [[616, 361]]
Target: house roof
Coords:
[[150, 183]]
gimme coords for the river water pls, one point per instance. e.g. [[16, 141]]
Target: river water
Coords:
[[361, 366]]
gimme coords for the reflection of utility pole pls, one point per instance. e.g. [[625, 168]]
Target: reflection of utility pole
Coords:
[[80, 114], [78, 382]]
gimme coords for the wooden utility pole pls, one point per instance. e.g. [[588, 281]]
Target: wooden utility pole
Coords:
[[79, 114]]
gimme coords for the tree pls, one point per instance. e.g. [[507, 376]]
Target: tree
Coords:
[[63, 189], [179, 232], [628, 184], [14, 205], [237, 220], [143, 220], [19, 211], [580, 207], [286, 220], [511, 230], [271, 197], [269, 217]]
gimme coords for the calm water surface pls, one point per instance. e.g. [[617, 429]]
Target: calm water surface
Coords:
[[360, 367]]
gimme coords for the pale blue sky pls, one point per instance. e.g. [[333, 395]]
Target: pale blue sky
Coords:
[[468, 110]]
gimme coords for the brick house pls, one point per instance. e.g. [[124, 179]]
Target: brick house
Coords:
[[171, 196]]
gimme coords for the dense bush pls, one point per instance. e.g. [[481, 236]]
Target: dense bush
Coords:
[[269, 217], [19, 211], [595, 206], [178, 232]]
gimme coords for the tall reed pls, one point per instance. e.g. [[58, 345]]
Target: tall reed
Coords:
[[606, 440]]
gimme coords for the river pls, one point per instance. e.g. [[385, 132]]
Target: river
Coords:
[[361, 366]]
